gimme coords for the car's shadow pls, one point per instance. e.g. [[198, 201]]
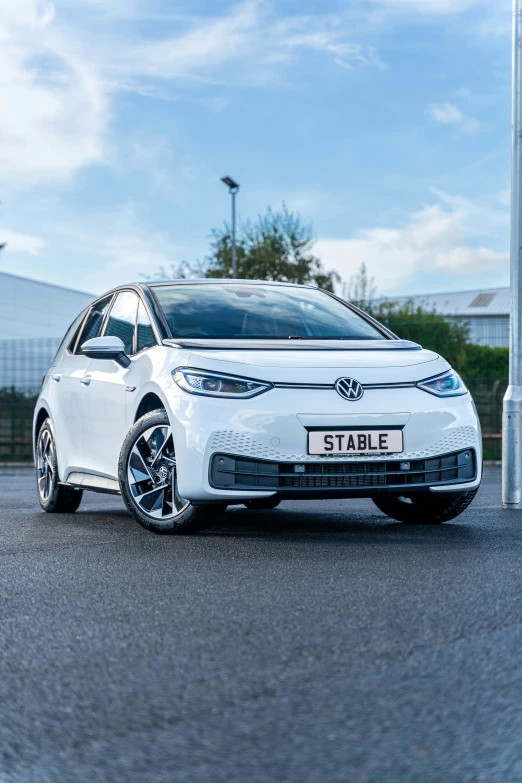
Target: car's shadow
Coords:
[[327, 525], [331, 526]]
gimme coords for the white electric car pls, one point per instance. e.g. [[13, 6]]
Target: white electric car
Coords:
[[189, 396]]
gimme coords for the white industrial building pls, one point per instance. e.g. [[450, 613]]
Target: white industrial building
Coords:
[[30, 308], [34, 317], [485, 311]]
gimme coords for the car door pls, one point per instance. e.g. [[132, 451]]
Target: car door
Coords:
[[143, 363], [104, 420], [66, 390]]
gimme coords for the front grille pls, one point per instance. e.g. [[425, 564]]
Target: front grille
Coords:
[[228, 472], [337, 475]]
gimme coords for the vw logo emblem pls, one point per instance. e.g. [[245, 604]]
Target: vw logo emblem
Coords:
[[349, 388]]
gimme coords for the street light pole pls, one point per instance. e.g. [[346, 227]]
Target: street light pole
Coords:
[[233, 188], [234, 253], [512, 410]]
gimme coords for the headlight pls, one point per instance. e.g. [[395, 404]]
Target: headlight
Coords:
[[213, 384], [449, 384]]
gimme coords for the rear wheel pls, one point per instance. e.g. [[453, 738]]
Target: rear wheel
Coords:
[[53, 496], [149, 481], [261, 504], [424, 508]]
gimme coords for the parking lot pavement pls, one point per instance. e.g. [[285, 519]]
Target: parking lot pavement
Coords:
[[317, 642]]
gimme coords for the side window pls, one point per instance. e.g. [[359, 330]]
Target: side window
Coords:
[[92, 325], [71, 334], [145, 334], [122, 320], [75, 342]]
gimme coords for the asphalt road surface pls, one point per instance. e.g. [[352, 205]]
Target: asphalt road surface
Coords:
[[317, 642]]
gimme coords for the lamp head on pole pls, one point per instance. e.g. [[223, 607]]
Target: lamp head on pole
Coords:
[[232, 185]]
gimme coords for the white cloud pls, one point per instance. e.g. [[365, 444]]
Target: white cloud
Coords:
[[58, 80], [21, 243], [448, 114], [211, 48], [445, 113], [470, 260], [436, 238], [54, 108]]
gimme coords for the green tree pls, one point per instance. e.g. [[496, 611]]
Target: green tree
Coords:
[[278, 246], [482, 365]]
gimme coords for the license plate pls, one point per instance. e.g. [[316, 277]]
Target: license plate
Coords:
[[355, 441]]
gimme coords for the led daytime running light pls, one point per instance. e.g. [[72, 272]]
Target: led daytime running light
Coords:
[[448, 384], [213, 384]]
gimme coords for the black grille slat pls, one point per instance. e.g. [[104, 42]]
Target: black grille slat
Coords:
[[247, 473], [364, 470]]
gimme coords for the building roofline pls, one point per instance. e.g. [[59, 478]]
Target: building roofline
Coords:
[[45, 282]]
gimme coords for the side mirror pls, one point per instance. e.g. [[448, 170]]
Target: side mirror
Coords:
[[106, 348]]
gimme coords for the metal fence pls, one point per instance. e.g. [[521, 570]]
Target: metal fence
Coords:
[[488, 394], [23, 363]]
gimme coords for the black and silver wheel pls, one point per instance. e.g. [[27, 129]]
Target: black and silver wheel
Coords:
[[53, 497], [261, 504], [149, 482], [424, 508]]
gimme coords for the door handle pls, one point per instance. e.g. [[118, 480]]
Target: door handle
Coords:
[[86, 380], [56, 377]]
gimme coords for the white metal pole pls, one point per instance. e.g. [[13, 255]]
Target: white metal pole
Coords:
[[512, 411]]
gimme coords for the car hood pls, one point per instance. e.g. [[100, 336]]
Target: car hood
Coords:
[[320, 364]]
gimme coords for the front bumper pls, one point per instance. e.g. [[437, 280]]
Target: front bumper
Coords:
[[273, 429]]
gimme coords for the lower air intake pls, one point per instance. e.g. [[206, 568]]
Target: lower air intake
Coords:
[[228, 472]]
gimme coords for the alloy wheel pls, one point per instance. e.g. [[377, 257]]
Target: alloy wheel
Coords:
[[152, 474], [45, 464]]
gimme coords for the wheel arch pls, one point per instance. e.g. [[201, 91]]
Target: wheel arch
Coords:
[[40, 416], [150, 401]]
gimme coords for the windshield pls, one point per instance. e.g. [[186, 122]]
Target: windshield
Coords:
[[235, 311]]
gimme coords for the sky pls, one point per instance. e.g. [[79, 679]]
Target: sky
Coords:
[[385, 123]]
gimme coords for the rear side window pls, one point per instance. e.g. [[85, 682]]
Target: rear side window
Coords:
[[145, 334], [94, 321], [70, 337], [122, 320]]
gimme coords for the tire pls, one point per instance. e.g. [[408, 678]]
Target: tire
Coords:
[[148, 483], [426, 508], [54, 498], [261, 504]]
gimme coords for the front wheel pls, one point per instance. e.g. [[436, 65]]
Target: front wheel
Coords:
[[55, 498], [424, 508], [149, 481]]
